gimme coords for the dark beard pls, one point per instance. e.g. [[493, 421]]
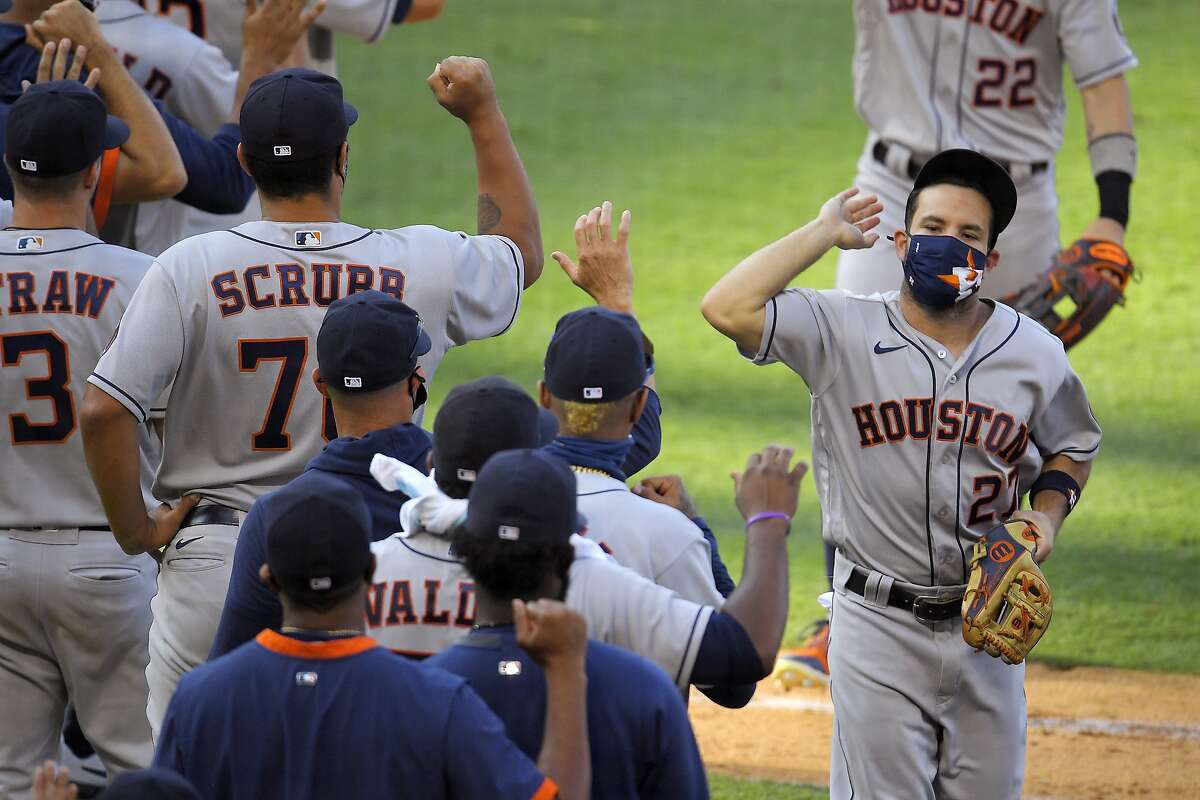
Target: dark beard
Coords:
[[959, 310]]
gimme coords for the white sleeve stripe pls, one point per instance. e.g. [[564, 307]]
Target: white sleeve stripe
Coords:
[[121, 396], [389, 8]]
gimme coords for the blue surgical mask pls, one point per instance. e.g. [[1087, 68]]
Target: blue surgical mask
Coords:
[[942, 271]]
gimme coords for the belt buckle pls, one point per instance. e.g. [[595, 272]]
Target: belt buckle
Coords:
[[938, 601]]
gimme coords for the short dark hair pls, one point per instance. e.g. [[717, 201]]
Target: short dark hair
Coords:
[[910, 208], [506, 569], [292, 179], [42, 188]]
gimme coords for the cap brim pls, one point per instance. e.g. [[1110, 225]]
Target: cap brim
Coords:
[[116, 132], [547, 427], [350, 111], [424, 343], [997, 184]]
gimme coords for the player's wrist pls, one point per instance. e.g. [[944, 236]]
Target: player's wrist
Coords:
[[486, 118]]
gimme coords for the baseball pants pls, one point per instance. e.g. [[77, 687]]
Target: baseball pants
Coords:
[[1026, 247], [918, 713], [74, 617], [191, 593]]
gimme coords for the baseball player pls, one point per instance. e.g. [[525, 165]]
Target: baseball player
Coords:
[[933, 411], [314, 710], [516, 544], [191, 80], [721, 651], [226, 322], [988, 75], [76, 609]]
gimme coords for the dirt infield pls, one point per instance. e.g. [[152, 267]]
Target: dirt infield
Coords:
[[1093, 733]]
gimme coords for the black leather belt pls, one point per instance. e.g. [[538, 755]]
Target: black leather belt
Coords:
[[211, 515], [880, 151], [925, 607]]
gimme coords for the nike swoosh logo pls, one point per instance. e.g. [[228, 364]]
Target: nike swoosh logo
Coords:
[[186, 542], [880, 350]]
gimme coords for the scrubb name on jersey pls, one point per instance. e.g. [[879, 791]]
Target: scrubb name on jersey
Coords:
[[289, 284], [1008, 17]]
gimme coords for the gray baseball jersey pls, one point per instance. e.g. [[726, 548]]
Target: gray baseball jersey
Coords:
[[983, 74], [917, 454], [196, 83], [6, 212], [62, 293], [652, 539], [229, 320], [422, 601], [220, 21], [192, 78]]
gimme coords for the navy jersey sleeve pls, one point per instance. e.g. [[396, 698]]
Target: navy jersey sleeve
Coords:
[[480, 759], [721, 577], [647, 437], [216, 182], [727, 656], [249, 605]]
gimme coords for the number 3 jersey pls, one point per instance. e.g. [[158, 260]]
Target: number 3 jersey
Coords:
[[916, 453], [983, 74], [62, 293], [228, 322]]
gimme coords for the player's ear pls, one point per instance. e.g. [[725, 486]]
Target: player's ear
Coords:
[[900, 241], [992, 260], [639, 404], [343, 163], [265, 577], [319, 382], [543, 394], [242, 159], [92, 176]]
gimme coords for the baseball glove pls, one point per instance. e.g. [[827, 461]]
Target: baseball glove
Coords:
[[1007, 605], [1092, 273]]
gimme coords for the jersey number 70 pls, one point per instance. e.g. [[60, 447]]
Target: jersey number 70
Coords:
[[291, 355]]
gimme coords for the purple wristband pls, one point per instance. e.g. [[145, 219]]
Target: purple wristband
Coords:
[[768, 515]]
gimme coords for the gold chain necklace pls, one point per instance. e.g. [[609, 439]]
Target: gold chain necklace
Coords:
[[590, 471]]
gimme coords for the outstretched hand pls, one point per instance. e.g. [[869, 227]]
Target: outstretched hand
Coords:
[[51, 782], [850, 218], [605, 270], [57, 64], [767, 485], [271, 29]]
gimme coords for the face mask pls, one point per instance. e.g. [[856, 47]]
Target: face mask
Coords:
[[942, 271]]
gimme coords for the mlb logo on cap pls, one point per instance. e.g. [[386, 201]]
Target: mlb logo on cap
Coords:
[[283, 150], [352, 383], [30, 243], [28, 165], [593, 392], [467, 475], [509, 533], [308, 238], [320, 584]]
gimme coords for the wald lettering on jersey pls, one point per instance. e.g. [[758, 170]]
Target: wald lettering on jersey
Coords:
[[62, 293], [983, 74], [421, 600], [916, 454], [229, 319]]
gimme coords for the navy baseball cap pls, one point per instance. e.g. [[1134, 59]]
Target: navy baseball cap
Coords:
[[369, 340], [596, 355], [294, 115], [992, 179], [5, 6], [318, 537], [478, 420], [523, 496], [59, 128]]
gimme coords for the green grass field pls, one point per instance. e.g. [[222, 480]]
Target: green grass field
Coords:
[[724, 125]]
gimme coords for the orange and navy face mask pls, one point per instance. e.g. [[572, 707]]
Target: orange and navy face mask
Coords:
[[942, 270]]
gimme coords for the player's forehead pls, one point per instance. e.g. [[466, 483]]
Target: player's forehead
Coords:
[[954, 206]]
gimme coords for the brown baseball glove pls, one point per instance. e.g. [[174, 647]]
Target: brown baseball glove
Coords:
[[1007, 605], [1092, 273]]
